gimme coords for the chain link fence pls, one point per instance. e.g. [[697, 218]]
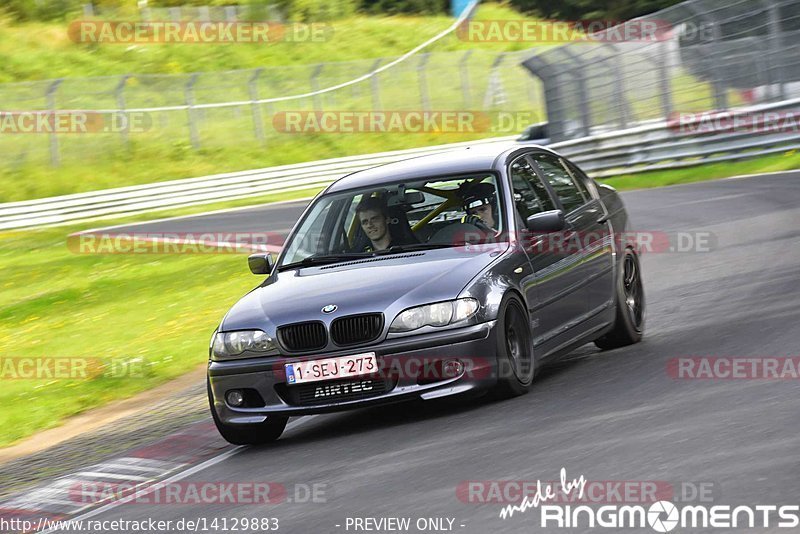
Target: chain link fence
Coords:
[[471, 80], [709, 55]]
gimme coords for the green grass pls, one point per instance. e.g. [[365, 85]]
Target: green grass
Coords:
[[227, 136], [781, 162], [174, 159], [56, 304], [38, 51], [160, 308]]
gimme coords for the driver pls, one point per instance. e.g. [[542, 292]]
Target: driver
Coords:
[[480, 203], [373, 217]]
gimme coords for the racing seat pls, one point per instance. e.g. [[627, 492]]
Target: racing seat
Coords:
[[399, 229]]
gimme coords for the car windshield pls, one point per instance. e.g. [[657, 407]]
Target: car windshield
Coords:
[[392, 218]]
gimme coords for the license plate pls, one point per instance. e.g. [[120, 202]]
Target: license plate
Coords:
[[331, 368]]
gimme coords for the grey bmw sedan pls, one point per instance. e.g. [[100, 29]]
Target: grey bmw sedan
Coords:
[[427, 278]]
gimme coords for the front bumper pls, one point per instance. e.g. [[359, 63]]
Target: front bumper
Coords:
[[408, 372]]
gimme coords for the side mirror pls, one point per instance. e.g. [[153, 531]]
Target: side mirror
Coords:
[[260, 263], [546, 222]]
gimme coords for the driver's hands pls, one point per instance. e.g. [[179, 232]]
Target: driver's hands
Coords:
[[473, 220]]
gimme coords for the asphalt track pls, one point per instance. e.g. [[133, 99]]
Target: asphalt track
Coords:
[[613, 416]]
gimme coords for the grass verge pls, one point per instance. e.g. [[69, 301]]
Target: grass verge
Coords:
[[226, 139], [780, 162]]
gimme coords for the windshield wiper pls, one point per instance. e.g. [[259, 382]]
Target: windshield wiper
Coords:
[[323, 259]]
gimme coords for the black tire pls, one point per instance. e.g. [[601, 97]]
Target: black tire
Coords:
[[630, 304], [515, 363], [259, 434]]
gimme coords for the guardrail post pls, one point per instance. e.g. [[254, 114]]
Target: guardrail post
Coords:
[[252, 86], [425, 100], [619, 86], [578, 71], [553, 96], [494, 90], [463, 68], [120, 96], [315, 86], [775, 47], [375, 85], [50, 95], [194, 136], [665, 82], [720, 96]]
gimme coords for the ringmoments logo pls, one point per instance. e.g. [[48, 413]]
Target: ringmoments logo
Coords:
[[660, 516]]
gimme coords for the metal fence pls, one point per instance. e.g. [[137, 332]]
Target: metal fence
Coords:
[[179, 114], [707, 55], [654, 146]]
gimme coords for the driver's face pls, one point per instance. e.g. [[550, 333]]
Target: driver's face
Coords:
[[486, 213], [373, 223]]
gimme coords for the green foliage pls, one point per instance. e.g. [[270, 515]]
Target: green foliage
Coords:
[[298, 10], [318, 10], [392, 7], [591, 9], [26, 10]]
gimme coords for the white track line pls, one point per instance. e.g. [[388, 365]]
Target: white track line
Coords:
[[230, 453]]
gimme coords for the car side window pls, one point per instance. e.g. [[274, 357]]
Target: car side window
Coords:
[[582, 181], [530, 194], [560, 180]]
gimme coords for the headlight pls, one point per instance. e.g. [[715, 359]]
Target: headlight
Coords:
[[230, 345], [439, 314]]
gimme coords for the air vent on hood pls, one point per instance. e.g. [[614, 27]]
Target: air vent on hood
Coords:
[[380, 258]]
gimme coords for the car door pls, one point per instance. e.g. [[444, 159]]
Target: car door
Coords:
[[586, 239], [599, 242], [552, 305]]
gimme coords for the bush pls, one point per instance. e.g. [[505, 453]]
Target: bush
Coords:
[[313, 10], [393, 7], [296, 10], [25, 10], [591, 9]]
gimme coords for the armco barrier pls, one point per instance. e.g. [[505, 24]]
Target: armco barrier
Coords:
[[652, 146]]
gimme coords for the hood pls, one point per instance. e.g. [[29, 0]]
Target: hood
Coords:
[[387, 284]]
